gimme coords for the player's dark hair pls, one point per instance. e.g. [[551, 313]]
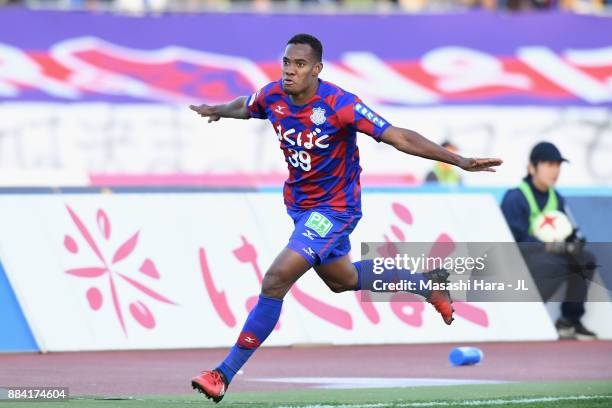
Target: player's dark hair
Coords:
[[315, 44]]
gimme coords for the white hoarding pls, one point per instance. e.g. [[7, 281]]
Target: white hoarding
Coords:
[[138, 271]]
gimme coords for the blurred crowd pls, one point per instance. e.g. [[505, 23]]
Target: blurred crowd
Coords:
[[580, 6]]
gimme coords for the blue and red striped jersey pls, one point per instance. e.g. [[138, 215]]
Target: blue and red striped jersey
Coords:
[[319, 142]]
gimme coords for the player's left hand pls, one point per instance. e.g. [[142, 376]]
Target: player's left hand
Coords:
[[469, 164]]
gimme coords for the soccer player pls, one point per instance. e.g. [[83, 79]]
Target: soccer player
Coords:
[[316, 124]]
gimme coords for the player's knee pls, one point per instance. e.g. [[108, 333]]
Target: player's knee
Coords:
[[339, 287], [275, 283], [336, 288]]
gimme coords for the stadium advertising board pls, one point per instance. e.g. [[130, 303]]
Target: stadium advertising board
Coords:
[[138, 271]]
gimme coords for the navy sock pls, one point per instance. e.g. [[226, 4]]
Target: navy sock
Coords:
[[366, 277], [257, 328]]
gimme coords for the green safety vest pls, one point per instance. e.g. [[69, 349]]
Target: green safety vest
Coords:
[[449, 176], [534, 211]]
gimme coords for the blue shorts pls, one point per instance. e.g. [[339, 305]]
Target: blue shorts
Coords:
[[321, 235]]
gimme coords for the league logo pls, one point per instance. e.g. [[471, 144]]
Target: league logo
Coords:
[[318, 116]]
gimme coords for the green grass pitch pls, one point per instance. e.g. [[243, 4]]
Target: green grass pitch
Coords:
[[592, 394]]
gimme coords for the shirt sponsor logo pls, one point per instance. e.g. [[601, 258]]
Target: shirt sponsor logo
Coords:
[[308, 140], [369, 115]]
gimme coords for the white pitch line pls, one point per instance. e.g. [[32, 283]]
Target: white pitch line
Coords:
[[458, 403], [374, 382]]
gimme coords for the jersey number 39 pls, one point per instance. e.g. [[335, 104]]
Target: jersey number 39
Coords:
[[299, 159]]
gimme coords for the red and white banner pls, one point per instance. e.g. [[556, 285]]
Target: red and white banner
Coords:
[[99, 102]]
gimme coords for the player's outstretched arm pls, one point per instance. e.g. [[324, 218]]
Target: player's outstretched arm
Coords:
[[411, 142], [235, 109]]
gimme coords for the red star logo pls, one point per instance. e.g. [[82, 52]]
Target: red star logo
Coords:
[[548, 220]]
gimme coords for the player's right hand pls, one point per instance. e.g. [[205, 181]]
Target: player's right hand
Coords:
[[469, 164], [206, 111]]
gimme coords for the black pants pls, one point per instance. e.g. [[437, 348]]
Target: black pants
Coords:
[[550, 271]]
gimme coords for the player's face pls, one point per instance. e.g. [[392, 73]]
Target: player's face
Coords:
[[300, 68], [546, 173]]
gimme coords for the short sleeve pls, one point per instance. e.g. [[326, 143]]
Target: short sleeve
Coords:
[[256, 105], [367, 121]]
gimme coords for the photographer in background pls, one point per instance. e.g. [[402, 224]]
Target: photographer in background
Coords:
[[536, 214]]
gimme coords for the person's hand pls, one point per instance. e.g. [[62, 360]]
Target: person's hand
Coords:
[[206, 111], [574, 248], [469, 164], [575, 243]]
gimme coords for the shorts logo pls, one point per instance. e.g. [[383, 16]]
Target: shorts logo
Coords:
[[319, 223], [310, 252], [309, 234], [369, 115], [318, 116]]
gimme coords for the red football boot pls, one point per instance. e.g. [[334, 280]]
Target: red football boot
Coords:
[[441, 299], [211, 384]]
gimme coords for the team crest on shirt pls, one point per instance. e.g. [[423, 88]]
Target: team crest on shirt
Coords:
[[318, 116]]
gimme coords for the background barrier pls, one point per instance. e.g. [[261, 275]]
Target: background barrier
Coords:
[[15, 334], [126, 271], [86, 100]]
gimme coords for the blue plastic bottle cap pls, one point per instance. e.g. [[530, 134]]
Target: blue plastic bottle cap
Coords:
[[465, 356]]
